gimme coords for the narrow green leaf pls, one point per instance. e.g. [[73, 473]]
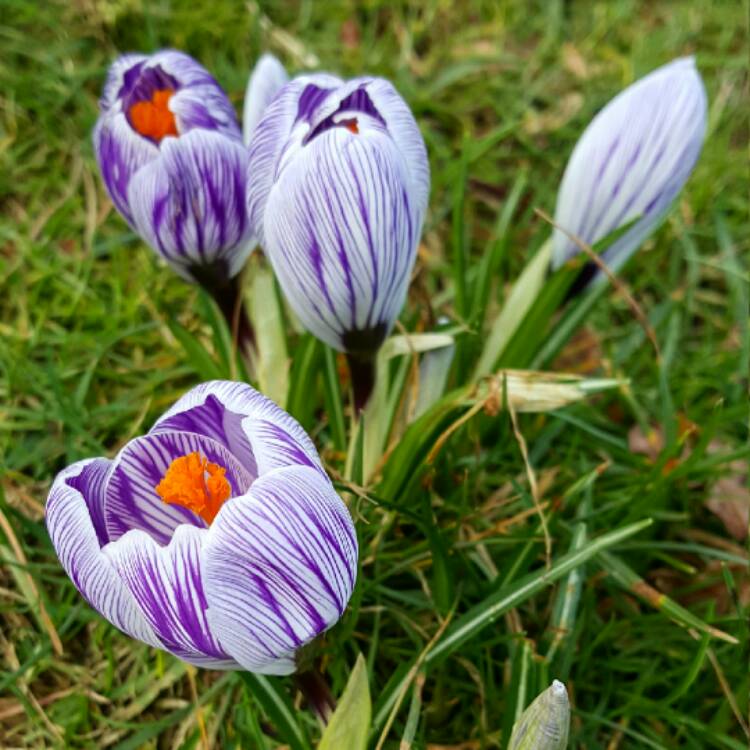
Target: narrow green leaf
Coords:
[[278, 708], [459, 236], [333, 397], [495, 252], [199, 359], [524, 294], [303, 381], [350, 723], [272, 367], [633, 583], [499, 602]]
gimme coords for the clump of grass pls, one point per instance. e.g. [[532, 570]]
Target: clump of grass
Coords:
[[459, 618]]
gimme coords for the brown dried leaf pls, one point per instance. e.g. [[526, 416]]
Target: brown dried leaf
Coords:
[[649, 444], [555, 117], [573, 61], [729, 499]]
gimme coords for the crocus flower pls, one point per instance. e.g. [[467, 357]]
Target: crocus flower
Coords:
[[216, 536], [631, 162], [339, 189], [171, 154]]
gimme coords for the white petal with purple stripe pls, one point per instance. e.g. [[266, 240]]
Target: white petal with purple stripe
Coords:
[[131, 499], [341, 233], [279, 567], [632, 161], [167, 584], [74, 537], [189, 203], [272, 139], [258, 432]]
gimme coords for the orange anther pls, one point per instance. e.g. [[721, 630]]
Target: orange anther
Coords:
[[196, 484], [154, 119]]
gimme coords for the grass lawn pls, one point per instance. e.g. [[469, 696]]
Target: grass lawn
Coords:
[[97, 339]]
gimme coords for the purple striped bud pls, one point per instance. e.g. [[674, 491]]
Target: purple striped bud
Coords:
[[339, 189], [217, 536], [171, 155], [631, 162]]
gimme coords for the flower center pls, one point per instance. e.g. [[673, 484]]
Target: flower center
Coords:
[[195, 483], [152, 118], [351, 125]]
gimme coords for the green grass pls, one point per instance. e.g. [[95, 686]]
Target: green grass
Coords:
[[89, 358]]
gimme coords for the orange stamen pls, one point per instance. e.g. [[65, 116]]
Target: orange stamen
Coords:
[[196, 484], [351, 125], [154, 119]]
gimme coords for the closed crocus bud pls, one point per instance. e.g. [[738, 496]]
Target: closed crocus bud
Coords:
[[170, 151], [217, 536], [545, 724], [338, 193], [631, 163], [266, 80]]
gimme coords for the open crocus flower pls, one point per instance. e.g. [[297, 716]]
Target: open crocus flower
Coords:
[[631, 162], [171, 154], [339, 189], [216, 536]]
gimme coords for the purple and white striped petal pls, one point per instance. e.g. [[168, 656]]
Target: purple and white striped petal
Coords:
[[131, 499], [167, 585], [198, 102], [273, 138], [265, 82], [338, 188], [120, 68], [253, 428], [341, 233], [403, 129], [189, 203], [76, 497], [120, 153], [279, 566], [632, 161]]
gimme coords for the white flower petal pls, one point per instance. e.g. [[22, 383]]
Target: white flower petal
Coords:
[[75, 494], [632, 161], [167, 585], [279, 568], [266, 80]]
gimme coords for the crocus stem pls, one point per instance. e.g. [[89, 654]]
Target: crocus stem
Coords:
[[362, 371], [229, 300], [314, 687], [227, 294]]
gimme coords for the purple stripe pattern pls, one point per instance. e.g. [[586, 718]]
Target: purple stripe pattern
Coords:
[[339, 189], [184, 192], [274, 569], [631, 162]]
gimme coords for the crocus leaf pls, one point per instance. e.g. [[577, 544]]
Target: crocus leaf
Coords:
[[272, 367], [522, 297], [278, 708], [200, 360], [350, 722]]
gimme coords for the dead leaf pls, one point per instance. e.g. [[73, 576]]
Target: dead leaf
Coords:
[[729, 499], [350, 36], [573, 61], [649, 444], [555, 117]]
